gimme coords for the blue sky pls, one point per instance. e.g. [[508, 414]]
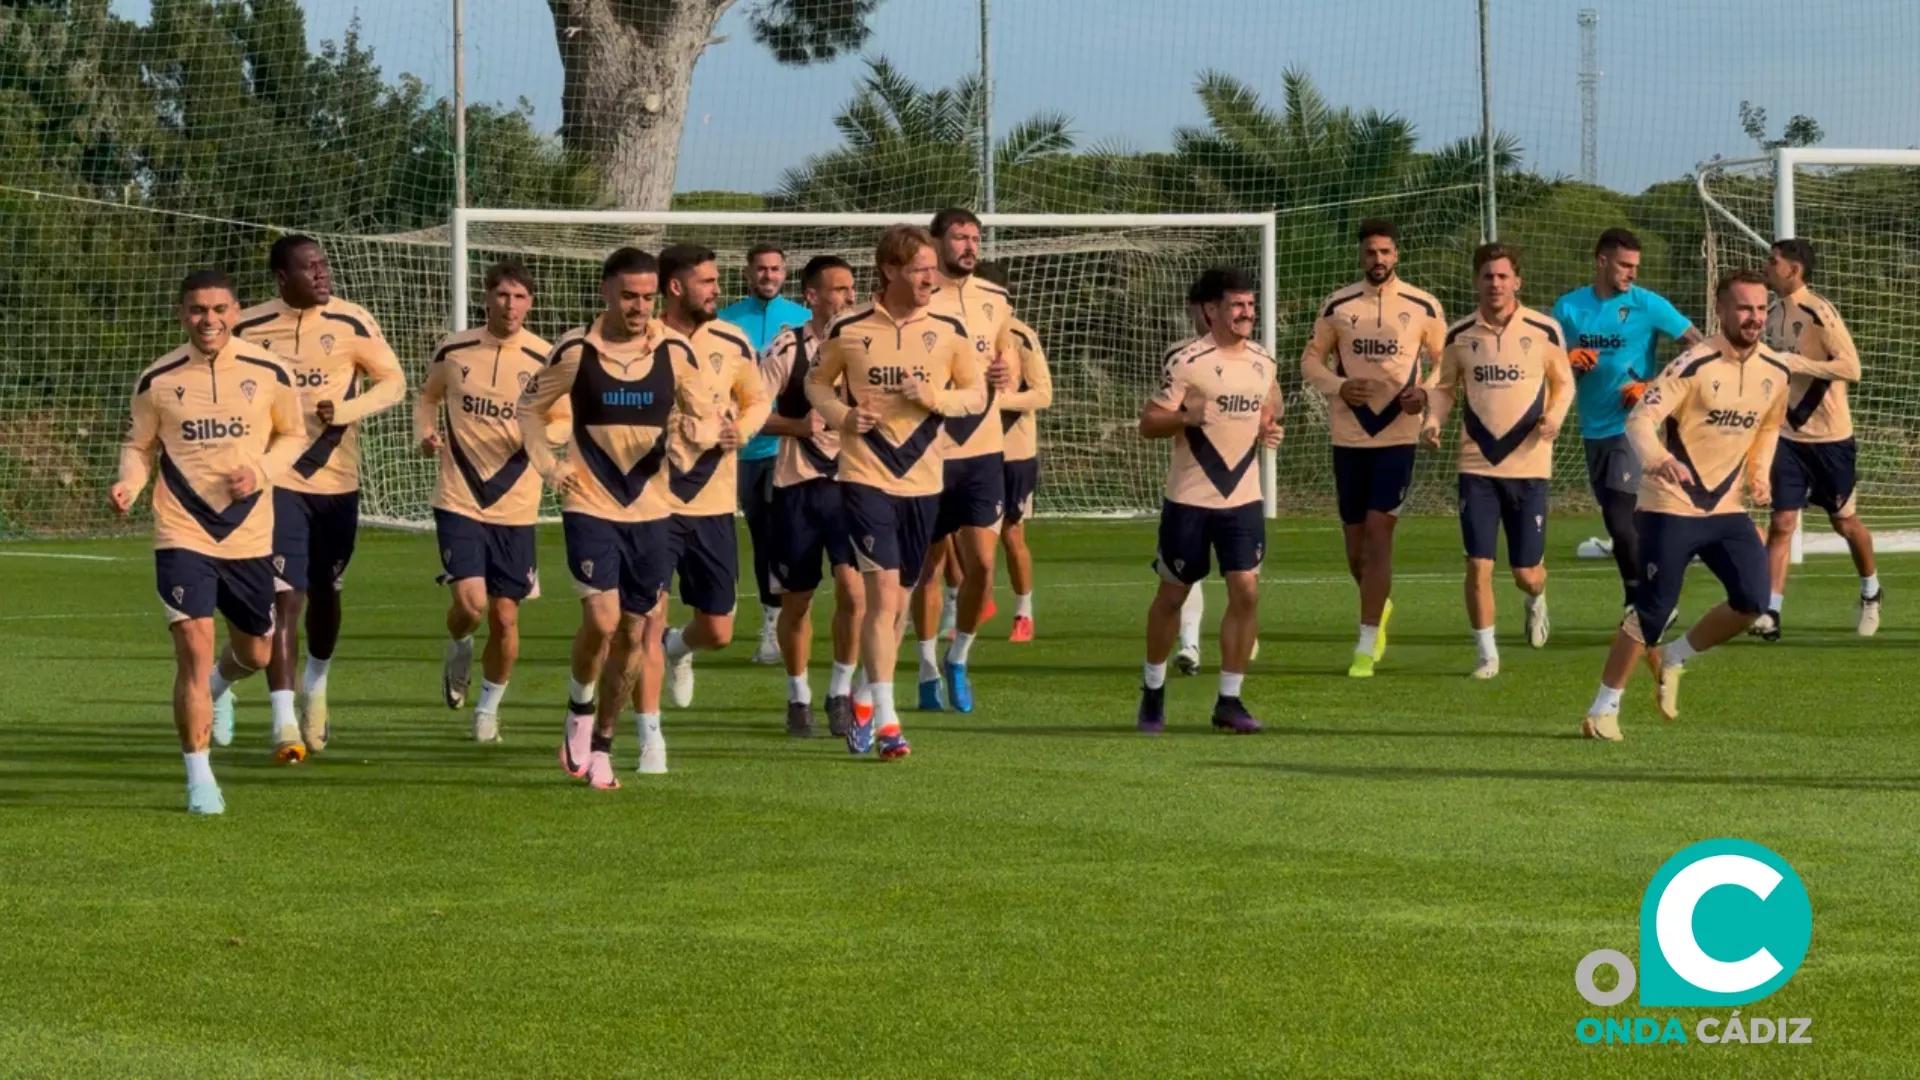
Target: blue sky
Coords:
[[1674, 71]]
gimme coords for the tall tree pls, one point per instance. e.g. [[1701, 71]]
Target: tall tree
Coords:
[[628, 66]]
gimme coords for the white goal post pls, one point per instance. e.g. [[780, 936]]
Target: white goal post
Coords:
[[1137, 236]]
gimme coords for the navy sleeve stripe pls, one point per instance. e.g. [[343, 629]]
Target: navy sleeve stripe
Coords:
[[147, 379], [278, 371], [1546, 328], [359, 328]]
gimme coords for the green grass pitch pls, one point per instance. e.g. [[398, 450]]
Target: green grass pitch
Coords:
[[1397, 879]]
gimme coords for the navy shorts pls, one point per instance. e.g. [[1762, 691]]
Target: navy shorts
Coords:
[[194, 586], [1727, 543], [1189, 534], [1490, 503], [635, 557], [1023, 479], [1817, 474], [973, 493], [1371, 479], [889, 532], [502, 554], [809, 522], [313, 536], [1612, 466], [706, 555]]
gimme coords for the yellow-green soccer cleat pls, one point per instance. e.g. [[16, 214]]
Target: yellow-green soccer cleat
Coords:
[[1604, 725], [1380, 636], [1362, 666]]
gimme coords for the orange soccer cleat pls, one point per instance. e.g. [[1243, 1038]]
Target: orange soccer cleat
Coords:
[[1022, 628]]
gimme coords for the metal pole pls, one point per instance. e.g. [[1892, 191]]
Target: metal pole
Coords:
[[1269, 336], [457, 240], [459, 104], [986, 110], [1784, 229], [1490, 222]]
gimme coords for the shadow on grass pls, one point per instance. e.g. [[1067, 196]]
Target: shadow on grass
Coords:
[[1416, 772]]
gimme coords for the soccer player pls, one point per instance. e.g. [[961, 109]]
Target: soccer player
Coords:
[[1219, 403], [618, 376], [727, 404], [809, 521], [1365, 357], [331, 345], [973, 493], [1032, 391], [220, 418], [902, 369], [1703, 431], [762, 315], [1815, 463], [1507, 366], [487, 500], [1612, 329]]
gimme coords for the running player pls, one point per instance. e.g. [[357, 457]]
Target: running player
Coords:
[[1815, 463], [1613, 327], [809, 522], [1219, 402], [973, 494], [905, 368], [220, 418], [762, 315], [330, 344], [1704, 430], [1031, 392], [1365, 357], [1507, 365], [727, 404], [618, 377], [486, 501]]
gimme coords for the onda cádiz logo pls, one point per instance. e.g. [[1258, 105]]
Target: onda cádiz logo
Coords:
[[1724, 923]]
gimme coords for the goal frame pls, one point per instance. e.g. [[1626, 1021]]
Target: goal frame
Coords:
[[464, 217]]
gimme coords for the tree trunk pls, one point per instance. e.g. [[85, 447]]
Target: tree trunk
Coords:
[[628, 66]]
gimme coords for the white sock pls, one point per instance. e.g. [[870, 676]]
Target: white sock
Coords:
[[1606, 701], [676, 644], [647, 725], [881, 694], [490, 695], [315, 679], [1154, 675], [1023, 604], [1677, 652], [1230, 683], [199, 767], [962, 645], [1775, 600], [464, 643], [1870, 586], [581, 693], [217, 684], [952, 598], [798, 690], [1191, 612], [769, 616], [1483, 640], [840, 683], [284, 718], [1368, 635], [929, 661]]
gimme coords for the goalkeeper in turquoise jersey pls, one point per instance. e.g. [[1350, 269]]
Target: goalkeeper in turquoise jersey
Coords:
[[1613, 327]]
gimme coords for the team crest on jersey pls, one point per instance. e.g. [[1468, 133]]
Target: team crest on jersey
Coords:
[[929, 339], [179, 393], [1259, 370], [1526, 344], [247, 389], [326, 344], [1405, 318], [526, 381], [1766, 387], [179, 594], [988, 308], [1797, 327], [586, 567], [714, 360], [1622, 313]]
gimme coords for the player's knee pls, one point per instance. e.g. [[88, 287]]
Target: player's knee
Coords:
[[252, 652], [1243, 589], [1530, 578], [719, 629], [503, 615]]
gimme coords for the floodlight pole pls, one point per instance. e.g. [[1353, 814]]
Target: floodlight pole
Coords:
[[1490, 223], [986, 111], [459, 104]]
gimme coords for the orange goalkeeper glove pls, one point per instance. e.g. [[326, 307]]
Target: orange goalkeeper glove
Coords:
[[1631, 393], [1582, 360]]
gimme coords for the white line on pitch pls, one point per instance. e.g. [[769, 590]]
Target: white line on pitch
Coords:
[[60, 555]]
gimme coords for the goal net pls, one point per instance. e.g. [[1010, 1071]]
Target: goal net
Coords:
[[1858, 209]]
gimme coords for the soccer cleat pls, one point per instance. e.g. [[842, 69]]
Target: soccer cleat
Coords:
[[768, 650], [653, 752], [839, 715], [1604, 725], [1230, 715], [893, 744], [314, 726], [1869, 623], [287, 747], [1666, 683], [800, 719], [987, 609], [1187, 660], [680, 680], [860, 730], [1380, 635], [600, 771], [959, 690], [1362, 666], [576, 744], [455, 672], [1022, 628], [486, 727], [1766, 627], [205, 798], [223, 718], [1538, 625], [930, 695], [1254, 652], [1489, 667], [1152, 717]]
